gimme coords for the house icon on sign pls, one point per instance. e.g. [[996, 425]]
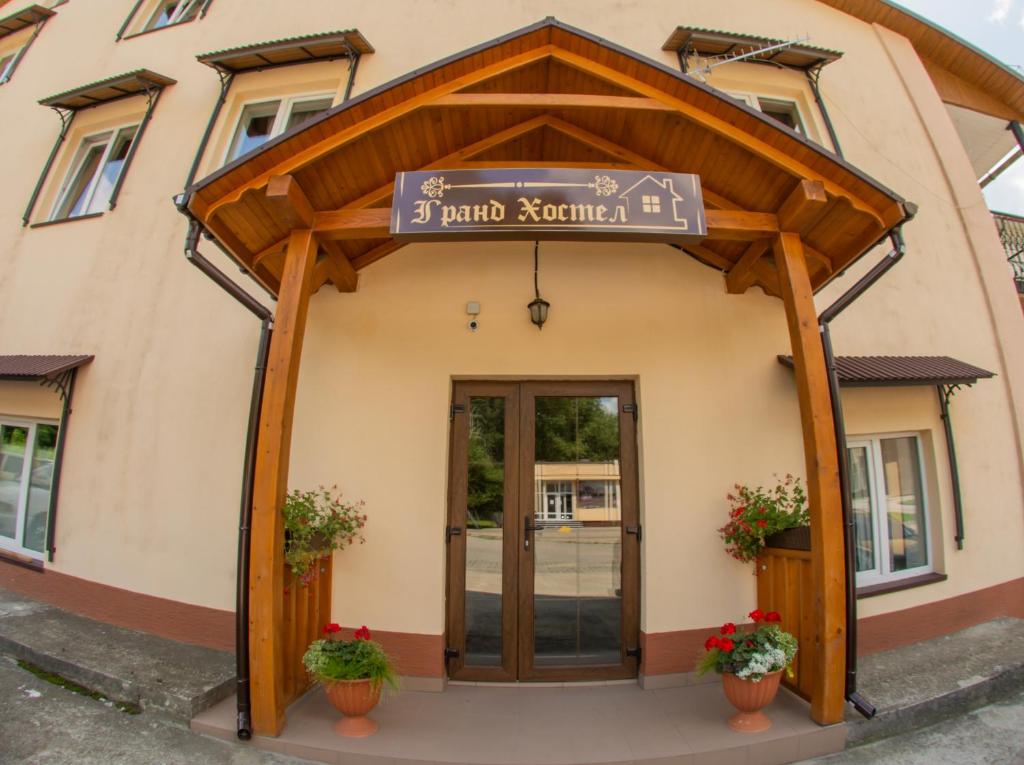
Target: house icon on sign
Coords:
[[651, 199]]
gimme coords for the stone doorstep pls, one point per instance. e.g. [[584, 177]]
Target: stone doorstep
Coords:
[[152, 672], [924, 684]]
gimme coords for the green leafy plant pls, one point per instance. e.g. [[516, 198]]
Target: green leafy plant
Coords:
[[758, 513], [753, 654], [316, 524], [331, 659]]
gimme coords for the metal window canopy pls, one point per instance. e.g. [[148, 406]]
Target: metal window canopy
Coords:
[[121, 33], [326, 46], [139, 82], [948, 375], [27, 17], [715, 42], [57, 372]]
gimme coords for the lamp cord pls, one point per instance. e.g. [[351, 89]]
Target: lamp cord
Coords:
[[536, 261]]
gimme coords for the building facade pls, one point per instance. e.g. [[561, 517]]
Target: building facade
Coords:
[[612, 436]]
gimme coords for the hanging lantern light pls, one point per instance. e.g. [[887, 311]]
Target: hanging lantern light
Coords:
[[538, 307]]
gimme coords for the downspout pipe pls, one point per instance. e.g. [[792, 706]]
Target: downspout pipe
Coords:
[[861, 704], [243, 690]]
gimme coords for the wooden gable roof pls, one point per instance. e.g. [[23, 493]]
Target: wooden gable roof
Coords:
[[548, 94]]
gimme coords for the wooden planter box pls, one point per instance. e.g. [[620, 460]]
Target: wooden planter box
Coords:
[[791, 539]]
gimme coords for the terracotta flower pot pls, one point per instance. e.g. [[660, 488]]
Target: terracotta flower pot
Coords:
[[750, 698], [354, 699]]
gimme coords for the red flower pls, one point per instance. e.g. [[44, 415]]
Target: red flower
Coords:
[[773, 616], [728, 628], [762, 523], [363, 633], [757, 615], [711, 642], [330, 629], [750, 644], [725, 645]]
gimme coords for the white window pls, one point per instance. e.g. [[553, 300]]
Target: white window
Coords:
[[785, 111], [266, 119], [7, 63], [27, 452], [554, 501], [94, 173], [651, 203], [890, 511], [170, 12]]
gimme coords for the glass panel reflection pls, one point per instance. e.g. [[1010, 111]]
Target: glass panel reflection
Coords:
[[40, 482], [860, 490], [13, 441], [904, 503], [577, 542], [485, 505]]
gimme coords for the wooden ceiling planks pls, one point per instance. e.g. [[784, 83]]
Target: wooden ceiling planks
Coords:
[[458, 111]]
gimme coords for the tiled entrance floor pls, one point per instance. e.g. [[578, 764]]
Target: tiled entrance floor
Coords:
[[555, 726]]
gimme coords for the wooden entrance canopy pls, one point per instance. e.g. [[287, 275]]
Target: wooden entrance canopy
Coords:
[[313, 207]]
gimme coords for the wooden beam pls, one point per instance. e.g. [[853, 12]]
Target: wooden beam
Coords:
[[824, 502], [803, 207], [266, 577], [371, 223], [297, 161], [741, 276], [286, 196], [738, 225], [548, 101], [718, 125]]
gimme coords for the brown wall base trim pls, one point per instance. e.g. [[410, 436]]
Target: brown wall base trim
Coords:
[[670, 652], [899, 628], [171, 619], [413, 653]]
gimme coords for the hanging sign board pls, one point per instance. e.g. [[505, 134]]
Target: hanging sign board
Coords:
[[547, 203]]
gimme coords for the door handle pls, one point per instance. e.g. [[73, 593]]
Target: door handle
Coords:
[[528, 528]]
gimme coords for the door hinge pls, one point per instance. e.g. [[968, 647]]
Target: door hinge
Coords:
[[452, 531], [449, 654], [638, 530], [634, 652], [631, 409], [455, 409]]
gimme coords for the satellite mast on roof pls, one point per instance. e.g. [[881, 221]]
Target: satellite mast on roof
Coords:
[[704, 64]]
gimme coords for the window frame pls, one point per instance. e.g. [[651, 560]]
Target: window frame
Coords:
[[12, 58], [184, 7], [753, 100], [881, 574], [16, 545], [281, 117], [81, 153]]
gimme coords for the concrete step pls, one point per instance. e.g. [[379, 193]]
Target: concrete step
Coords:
[[151, 672], [925, 683]]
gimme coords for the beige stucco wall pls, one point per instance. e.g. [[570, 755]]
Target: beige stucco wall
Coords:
[[149, 497]]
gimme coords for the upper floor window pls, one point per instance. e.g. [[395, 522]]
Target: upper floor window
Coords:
[[7, 62], [171, 12], [93, 173], [786, 112], [889, 508], [259, 122]]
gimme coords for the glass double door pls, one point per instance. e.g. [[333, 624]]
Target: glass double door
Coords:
[[543, 534]]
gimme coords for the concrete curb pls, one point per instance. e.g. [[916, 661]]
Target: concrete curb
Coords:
[[900, 720]]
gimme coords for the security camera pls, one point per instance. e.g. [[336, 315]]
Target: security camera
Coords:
[[474, 325]]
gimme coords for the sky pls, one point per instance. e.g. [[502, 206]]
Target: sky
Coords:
[[997, 27]]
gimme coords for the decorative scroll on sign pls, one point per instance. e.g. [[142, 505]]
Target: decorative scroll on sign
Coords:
[[548, 203]]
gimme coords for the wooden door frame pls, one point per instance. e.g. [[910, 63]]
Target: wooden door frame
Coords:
[[517, 632]]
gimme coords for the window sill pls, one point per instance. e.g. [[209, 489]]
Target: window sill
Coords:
[[900, 584], [43, 224], [17, 559]]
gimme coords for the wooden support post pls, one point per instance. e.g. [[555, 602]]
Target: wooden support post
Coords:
[[266, 578], [824, 500]]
